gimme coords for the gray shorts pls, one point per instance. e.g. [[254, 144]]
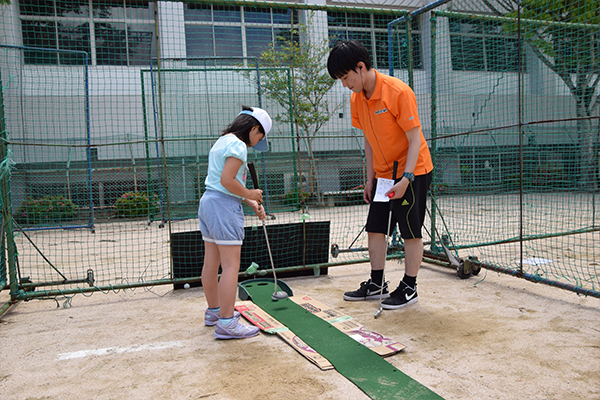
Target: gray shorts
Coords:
[[221, 218]]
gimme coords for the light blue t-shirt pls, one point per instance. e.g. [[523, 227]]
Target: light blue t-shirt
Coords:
[[227, 146]]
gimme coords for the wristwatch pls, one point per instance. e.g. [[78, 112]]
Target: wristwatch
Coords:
[[410, 176]]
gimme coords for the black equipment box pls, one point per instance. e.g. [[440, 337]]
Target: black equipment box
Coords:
[[292, 245]]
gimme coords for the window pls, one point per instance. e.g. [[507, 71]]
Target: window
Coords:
[[112, 32], [371, 30], [233, 31], [482, 46]]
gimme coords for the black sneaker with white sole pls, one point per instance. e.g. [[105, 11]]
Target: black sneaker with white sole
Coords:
[[368, 291], [403, 296]]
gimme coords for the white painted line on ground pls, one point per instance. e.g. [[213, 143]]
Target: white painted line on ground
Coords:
[[119, 350]]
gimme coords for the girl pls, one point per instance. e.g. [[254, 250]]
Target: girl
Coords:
[[222, 218]]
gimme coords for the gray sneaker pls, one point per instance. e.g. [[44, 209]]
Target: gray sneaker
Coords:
[[235, 330], [211, 317]]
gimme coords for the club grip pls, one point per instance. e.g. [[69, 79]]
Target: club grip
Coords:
[[394, 182], [253, 175]]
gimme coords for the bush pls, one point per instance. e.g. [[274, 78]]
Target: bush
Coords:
[[296, 197], [440, 189], [360, 187], [548, 174], [136, 204], [466, 175], [513, 182], [356, 198], [45, 210]]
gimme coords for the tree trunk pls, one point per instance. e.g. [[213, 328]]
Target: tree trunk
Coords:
[[312, 179]]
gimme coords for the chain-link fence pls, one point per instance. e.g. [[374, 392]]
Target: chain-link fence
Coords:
[[109, 111]]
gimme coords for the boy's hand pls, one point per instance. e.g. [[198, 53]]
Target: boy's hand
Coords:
[[398, 190], [367, 192]]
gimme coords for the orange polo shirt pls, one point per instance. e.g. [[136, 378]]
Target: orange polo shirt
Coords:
[[385, 118]]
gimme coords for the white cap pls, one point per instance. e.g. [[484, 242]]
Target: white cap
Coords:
[[265, 121]]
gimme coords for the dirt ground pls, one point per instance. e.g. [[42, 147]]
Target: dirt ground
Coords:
[[487, 337]]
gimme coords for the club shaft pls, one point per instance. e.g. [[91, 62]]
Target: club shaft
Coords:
[[387, 234], [276, 294], [270, 254]]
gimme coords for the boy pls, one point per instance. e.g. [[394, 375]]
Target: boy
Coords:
[[385, 109]]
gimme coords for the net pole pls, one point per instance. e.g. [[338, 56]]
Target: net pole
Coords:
[[411, 80], [263, 157], [433, 126], [390, 27], [149, 184], [520, 123], [6, 202], [390, 50], [89, 141]]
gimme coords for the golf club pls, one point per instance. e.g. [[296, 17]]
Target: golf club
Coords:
[[277, 295], [387, 234]]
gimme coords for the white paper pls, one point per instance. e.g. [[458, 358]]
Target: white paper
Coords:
[[383, 185], [536, 261]]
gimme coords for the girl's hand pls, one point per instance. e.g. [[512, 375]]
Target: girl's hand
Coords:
[[256, 195], [260, 212], [258, 209]]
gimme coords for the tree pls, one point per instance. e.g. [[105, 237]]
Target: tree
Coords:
[[305, 54], [569, 45]]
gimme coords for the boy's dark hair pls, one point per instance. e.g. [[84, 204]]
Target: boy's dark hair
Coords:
[[344, 57], [242, 125]]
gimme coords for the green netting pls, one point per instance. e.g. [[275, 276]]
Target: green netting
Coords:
[[110, 108], [515, 125]]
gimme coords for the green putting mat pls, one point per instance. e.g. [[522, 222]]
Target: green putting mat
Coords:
[[365, 368]]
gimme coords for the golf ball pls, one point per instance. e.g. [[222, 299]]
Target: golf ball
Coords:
[[186, 286]]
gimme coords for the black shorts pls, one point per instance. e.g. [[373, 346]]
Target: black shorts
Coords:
[[408, 212]]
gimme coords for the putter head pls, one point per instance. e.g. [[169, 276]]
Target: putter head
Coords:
[[279, 296], [378, 313]]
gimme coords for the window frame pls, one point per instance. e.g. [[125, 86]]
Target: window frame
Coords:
[[485, 37], [379, 61], [272, 25], [95, 21]]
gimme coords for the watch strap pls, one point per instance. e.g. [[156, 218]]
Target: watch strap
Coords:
[[409, 175]]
